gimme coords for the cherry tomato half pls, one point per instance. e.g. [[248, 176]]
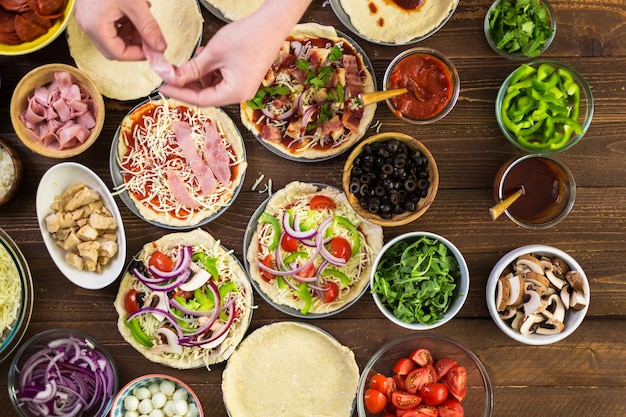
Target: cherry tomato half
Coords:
[[130, 301], [380, 383], [341, 248], [457, 382], [288, 243], [426, 410], [422, 357], [307, 272], [320, 202], [161, 261], [375, 401], [331, 293], [419, 377], [405, 400], [403, 366], [443, 365], [451, 408], [434, 394], [267, 261]]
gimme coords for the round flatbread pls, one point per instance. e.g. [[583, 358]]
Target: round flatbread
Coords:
[[181, 23], [231, 283], [169, 180], [385, 21], [318, 283], [308, 107], [235, 9], [290, 369]]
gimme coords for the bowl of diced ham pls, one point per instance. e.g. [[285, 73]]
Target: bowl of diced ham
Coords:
[[57, 111]]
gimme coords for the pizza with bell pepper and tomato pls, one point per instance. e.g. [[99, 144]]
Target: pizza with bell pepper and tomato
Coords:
[[308, 105], [310, 251], [185, 301]]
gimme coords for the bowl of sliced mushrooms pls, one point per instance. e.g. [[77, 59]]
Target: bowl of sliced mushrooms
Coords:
[[537, 294]]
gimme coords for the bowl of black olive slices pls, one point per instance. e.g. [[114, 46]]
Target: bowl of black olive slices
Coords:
[[390, 179]]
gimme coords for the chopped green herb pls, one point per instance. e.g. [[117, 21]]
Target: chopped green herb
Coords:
[[520, 26], [257, 102], [335, 53], [416, 280]]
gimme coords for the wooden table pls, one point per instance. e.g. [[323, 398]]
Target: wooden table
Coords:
[[582, 375]]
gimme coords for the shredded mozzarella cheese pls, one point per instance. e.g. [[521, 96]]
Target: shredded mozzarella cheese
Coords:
[[11, 294]]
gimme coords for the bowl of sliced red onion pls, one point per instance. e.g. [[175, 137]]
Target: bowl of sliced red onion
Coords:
[[62, 372]]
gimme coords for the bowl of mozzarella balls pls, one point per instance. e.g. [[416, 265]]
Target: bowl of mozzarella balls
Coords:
[[156, 395]]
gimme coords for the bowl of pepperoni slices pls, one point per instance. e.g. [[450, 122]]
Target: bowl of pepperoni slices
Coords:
[[424, 374]]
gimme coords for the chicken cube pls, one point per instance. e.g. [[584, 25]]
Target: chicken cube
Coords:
[[88, 251], [87, 233], [81, 198], [74, 260], [100, 222], [53, 223], [107, 248]]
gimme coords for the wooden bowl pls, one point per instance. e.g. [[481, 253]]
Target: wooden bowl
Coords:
[[42, 76], [423, 204], [17, 172]]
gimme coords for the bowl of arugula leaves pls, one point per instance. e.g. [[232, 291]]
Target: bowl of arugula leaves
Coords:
[[520, 29], [419, 280]]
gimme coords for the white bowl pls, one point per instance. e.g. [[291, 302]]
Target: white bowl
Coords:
[[573, 318], [54, 182], [460, 292]]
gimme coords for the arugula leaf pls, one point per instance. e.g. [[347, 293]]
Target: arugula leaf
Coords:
[[520, 26], [258, 102], [416, 280]]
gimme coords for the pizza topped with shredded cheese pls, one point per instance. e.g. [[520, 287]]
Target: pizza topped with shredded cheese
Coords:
[[180, 164], [308, 105]]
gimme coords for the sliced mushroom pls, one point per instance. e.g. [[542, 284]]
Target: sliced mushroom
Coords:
[[530, 323], [541, 282], [530, 262], [565, 295], [532, 300], [502, 293], [560, 266], [550, 326], [517, 321], [516, 291], [554, 308], [554, 280], [508, 313], [576, 281], [171, 342], [158, 299], [577, 301]]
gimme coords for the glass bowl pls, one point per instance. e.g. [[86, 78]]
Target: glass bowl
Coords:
[[478, 401], [426, 101], [539, 207], [144, 388], [15, 278], [48, 347], [9, 186], [461, 279], [540, 331], [504, 27], [535, 93]]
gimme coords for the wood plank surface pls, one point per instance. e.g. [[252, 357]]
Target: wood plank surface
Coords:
[[580, 376]]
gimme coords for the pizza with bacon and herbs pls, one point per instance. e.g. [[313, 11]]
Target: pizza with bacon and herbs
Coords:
[[180, 164], [308, 105]]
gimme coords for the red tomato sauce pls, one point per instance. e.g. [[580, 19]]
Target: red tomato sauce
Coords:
[[430, 86]]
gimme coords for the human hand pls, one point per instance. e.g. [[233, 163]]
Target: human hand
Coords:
[[118, 28]]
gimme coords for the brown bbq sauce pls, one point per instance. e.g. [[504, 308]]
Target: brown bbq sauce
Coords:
[[543, 186]]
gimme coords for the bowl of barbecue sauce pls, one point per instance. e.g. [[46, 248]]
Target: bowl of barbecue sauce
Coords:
[[549, 190]]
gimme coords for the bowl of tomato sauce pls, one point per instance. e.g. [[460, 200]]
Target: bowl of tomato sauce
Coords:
[[432, 82]]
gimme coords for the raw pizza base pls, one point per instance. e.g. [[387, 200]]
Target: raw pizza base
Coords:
[[235, 9], [400, 26], [313, 30], [189, 360], [230, 131], [289, 369], [181, 23]]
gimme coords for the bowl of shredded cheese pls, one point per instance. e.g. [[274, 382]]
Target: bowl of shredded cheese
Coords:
[[16, 297]]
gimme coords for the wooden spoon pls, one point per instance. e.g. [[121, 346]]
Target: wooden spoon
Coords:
[[376, 96], [499, 208]]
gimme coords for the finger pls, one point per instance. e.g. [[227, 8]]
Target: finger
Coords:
[[139, 14], [202, 97], [196, 68]]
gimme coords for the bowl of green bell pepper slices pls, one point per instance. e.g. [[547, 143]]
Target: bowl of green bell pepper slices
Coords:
[[544, 107]]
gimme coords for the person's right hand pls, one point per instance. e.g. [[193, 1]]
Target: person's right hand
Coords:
[[118, 28]]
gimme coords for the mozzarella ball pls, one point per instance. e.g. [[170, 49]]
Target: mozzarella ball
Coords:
[[156, 413], [180, 394], [131, 414], [131, 403], [145, 406], [180, 407], [142, 393], [158, 399], [192, 411], [154, 388], [168, 408], [167, 387]]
